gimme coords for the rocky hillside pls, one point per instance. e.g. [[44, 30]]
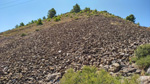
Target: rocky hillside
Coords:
[[43, 56]]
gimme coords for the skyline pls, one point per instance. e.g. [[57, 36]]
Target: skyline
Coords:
[[13, 12]]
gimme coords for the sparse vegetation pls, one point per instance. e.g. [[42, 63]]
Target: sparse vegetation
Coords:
[[131, 18], [142, 51], [49, 19], [21, 24], [57, 18], [103, 11], [143, 62], [90, 75], [32, 21], [16, 26], [76, 18], [86, 9], [51, 13], [35, 21], [37, 30], [76, 9], [39, 22], [66, 15], [138, 24], [81, 12], [95, 10], [44, 18], [23, 34], [142, 56]]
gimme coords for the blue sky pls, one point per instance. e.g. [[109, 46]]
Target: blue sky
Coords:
[[14, 12]]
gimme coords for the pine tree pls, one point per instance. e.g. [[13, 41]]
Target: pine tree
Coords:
[[51, 13], [131, 18], [76, 9], [21, 24], [16, 26], [44, 18]]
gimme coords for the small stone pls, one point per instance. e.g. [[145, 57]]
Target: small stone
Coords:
[[116, 64], [101, 66], [114, 61], [125, 70], [89, 57], [129, 74], [111, 73], [134, 65], [115, 67], [59, 51], [18, 76], [138, 71], [51, 77], [106, 66], [52, 68], [5, 69], [131, 69]]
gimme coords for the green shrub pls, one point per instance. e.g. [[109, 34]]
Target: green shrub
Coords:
[[143, 62], [96, 15], [35, 21], [147, 74], [138, 24], [21, 24], [88, 12], [86, 9], [32, 21], [95, 10], [16, 26], [44, 18], [88, 75], [66, 15], [70, 16], [76, 18], [56, 19], [39, 22], [49, 19], [91, 75], [37, 30], [61, 14], [28, 23], [132, 80], [81, 11], [142, 50], [131, 18], [74, 13], [142, 56], [103, 11], [23, 34]]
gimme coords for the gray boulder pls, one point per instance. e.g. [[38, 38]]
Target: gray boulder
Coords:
[[148, 70], [144, 79]]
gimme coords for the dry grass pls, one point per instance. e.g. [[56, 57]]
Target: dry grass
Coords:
[[64, 18], [32, 27]]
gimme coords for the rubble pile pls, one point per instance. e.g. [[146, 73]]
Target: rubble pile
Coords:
[[43, 56]]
